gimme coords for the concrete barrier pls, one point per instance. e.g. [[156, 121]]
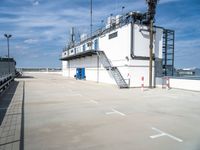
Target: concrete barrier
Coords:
[[187, 84], [179, 83]]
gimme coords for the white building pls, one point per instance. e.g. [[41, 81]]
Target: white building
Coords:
[[119, 53]]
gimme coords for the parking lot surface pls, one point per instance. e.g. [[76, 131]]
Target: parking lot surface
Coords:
[[66, 114]]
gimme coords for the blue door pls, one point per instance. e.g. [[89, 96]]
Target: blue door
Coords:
[[80, 73]]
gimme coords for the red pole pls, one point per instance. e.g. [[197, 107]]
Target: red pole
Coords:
[[142, 86], [167, 83]]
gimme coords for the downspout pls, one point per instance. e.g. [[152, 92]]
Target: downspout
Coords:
[[69, 68], [97, 68], [132, 35]]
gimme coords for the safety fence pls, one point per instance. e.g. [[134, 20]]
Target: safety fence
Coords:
[[5, 81]]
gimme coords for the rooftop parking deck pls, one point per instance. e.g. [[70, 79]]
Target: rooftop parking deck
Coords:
[[65, 114]]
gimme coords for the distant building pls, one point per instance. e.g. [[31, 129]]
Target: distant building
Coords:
[[7, 66], [188, 72]]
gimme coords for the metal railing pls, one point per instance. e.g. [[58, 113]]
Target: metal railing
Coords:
[[39, 69], [114, 24], [5, 80], [120, 81]]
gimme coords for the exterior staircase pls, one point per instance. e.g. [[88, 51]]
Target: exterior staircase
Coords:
[[113, 70]]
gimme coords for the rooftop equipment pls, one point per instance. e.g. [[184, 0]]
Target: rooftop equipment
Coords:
[[111, 21], [83, 37]]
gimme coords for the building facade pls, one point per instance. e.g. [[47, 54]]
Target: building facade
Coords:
[[117, 54], [7, 66]]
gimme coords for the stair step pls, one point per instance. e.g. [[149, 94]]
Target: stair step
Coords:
[[113, 70]]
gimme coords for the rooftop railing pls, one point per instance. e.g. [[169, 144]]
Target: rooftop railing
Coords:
[[116, 23], [5, 81]]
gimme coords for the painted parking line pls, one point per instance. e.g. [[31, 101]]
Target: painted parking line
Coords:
[[93, 101], [74, 94], [114, 111], [161, 133]]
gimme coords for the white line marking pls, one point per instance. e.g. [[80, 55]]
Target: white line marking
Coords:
[[93, 101], [74, 95], [164, 134], [108, 113], [114, 111], [118, 112]]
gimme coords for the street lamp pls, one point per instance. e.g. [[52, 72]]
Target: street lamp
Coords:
[[123, 7], [8, 36]]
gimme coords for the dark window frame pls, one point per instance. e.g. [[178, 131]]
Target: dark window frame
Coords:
[[113, 35]]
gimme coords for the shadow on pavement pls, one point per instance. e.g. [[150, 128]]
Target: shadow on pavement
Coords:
[[25, 77], [6, 98], [12, 117]]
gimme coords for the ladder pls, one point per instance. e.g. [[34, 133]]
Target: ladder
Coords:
[[113, 70], [168, 52]]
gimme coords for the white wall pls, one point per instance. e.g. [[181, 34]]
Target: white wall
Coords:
[[140, 41], [137, 70], [84, 62], [186, 84], [117, 49], [134, 72], [158, 42], [90, 65], [65, 68]]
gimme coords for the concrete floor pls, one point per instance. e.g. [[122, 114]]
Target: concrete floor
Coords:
[[65, 114]]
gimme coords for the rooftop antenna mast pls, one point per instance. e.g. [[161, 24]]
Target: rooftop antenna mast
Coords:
[[150, 21], [91, 13]]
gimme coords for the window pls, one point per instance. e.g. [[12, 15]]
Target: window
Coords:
[[89, 44], [84, 47], [113, 35], [96, 44]]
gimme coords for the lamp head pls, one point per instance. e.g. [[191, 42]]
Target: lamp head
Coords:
[[8, 35]]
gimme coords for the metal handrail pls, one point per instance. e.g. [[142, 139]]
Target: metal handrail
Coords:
[[5, 81]]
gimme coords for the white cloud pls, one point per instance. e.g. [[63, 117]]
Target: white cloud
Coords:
[[31, 41], [49, 21], [36, 3], [167, 1]]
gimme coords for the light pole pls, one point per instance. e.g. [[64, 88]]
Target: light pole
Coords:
[[91, 21], [8, 36], [123, 7]]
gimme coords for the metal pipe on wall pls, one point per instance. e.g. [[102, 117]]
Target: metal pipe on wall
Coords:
[[91, 11], [150, 53]]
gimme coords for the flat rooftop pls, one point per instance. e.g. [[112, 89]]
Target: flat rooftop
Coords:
[[49, 112]]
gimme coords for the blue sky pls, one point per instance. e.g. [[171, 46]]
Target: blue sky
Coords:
[[40, 28]]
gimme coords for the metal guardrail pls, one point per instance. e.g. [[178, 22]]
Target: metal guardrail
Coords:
[[39, 69], [5, 81]]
